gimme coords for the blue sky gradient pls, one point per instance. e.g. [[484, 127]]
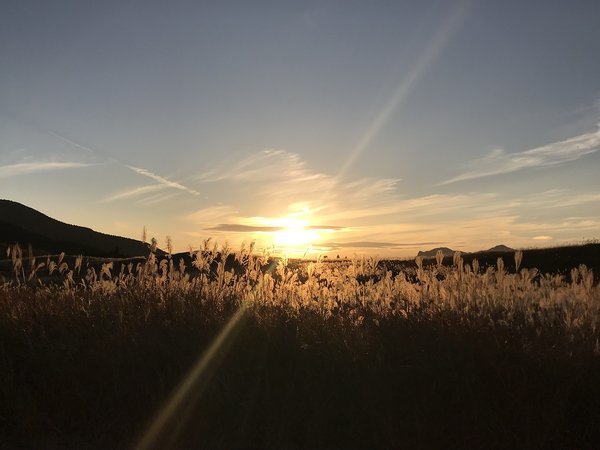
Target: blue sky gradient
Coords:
[[390, 125]]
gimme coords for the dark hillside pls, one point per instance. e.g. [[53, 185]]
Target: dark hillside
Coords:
[[555, 260], [25, 225], [42, 245], [559, 260]]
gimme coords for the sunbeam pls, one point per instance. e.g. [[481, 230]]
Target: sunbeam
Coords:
[[163, 429], [435, 45]]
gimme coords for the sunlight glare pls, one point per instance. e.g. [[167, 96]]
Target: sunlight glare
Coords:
[[294, 233]]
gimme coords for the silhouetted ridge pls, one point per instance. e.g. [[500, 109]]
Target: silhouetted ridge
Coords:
[[501, 248], [431, 253], [25, 225]]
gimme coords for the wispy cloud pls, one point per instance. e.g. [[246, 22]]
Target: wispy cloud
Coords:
[[153, 193], [283, 181], [375, 245], [573, 225], [499, 162], [157, 198], [265, 165], [141, 191], [370, 215], [13, 170], [423, 206], [242, 228], [365, 213], [558, 198], [211, 215], [136, 192], [163, 181]]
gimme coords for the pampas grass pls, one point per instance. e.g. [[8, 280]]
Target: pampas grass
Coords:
[[388, 352]]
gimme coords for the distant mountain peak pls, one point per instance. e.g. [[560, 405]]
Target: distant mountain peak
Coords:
[[431, 253], [449, 252], [501, 248]]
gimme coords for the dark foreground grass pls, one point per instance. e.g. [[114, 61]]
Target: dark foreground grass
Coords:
[[77, 373]]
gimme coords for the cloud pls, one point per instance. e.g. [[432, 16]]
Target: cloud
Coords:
[[562, 198], [548, 201], [572, 225], [542, 238], [411, 208], [498, 162], [163, 181], [364, 213], [13, 170], [277, 181], [380, 245], [211, 215], [157, 198], [150, 194], [136, 192], [274, 175], [241, 228], [369, 215], [267, 189], [266, 165]]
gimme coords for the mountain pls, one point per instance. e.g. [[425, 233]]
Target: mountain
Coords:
[[501, 248], [24, 225], [449, 252], [431, 253]]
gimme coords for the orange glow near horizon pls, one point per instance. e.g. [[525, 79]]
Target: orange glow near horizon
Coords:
[[294, 235]]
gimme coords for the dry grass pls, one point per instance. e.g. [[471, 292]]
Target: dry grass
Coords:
[[331, 354]]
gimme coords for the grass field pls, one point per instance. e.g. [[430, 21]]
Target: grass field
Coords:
[[266, 353]]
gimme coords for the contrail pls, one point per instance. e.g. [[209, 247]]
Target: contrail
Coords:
[[73, 143], [161, 180], [139, 170]]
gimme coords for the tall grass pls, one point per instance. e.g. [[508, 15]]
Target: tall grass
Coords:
[[332, 354]]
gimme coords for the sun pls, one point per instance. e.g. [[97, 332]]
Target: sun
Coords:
[[294, 233]]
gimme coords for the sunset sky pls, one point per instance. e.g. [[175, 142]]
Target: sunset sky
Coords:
[[382, 127]]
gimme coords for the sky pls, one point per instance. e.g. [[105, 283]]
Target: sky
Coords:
[[329, 127]]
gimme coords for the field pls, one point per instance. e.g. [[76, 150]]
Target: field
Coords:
[[235, 350]]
